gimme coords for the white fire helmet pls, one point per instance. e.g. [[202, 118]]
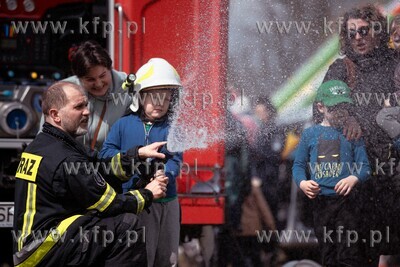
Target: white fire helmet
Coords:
[[157, 73]]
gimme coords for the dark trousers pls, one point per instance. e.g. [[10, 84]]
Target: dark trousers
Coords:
[[379, 199], [336, 227], [112, 241]]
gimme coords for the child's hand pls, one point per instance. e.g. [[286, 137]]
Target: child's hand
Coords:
[[310, 188], [151, 151], [344, 186]]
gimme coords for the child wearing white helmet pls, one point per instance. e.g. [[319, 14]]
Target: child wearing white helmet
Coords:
[[156, 87]]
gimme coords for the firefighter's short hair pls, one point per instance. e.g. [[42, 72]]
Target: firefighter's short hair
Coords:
[[55, 97]]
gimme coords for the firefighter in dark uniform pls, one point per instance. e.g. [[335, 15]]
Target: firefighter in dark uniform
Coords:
[[66, 213]]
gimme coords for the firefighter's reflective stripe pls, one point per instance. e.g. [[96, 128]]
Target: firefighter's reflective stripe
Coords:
[[29, 215], [105, 199], [28, 167], [140, 200], [117, 168], [48, 243]]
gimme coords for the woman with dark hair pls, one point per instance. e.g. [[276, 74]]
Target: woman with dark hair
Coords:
[[92, 68], [368, 68], [373, 33], [91, 65]]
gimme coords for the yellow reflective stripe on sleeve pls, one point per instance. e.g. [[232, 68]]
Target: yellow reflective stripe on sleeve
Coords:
[[105, 199], [139, 199], [117, 168], [28, 167], [30, 210], [54, 236]]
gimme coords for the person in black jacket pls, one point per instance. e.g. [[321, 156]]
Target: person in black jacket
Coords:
[[266, 152], [65, 212], [368, 69], [237, 186]]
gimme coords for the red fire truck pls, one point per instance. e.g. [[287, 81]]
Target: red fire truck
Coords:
[[35, 37]]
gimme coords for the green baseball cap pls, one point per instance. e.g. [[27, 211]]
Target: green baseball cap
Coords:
[[333, 92]]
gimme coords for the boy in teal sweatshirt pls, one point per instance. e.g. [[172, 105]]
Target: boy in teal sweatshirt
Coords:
[[327, 167]]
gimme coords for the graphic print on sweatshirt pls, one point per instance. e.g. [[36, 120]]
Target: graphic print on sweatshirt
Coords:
[[328, 160]]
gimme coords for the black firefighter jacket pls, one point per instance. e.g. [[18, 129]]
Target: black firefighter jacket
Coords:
[[55, 187]]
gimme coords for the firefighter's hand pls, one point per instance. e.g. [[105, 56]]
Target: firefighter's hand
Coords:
[[158, 187], [344, 186], [352, 129], [160, 175], [151, 151], [310, 188]]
